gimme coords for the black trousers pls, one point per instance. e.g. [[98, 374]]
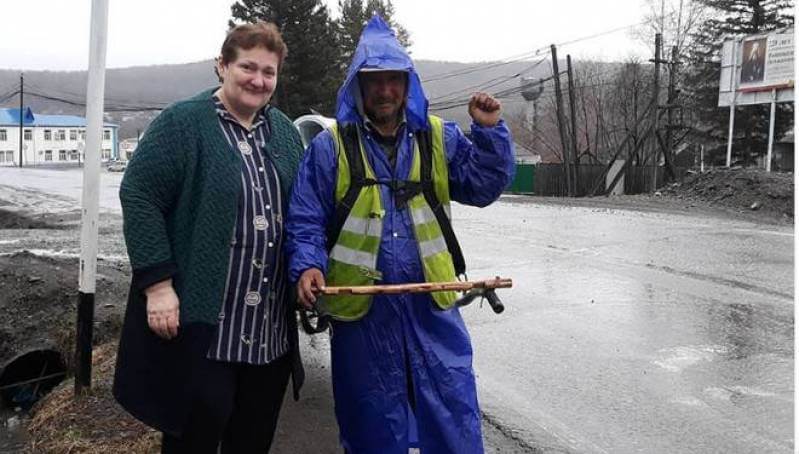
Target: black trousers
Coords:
[[235, 405]]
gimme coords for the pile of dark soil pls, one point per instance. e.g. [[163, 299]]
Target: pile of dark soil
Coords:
[[769, 193], [39, 299], [12, 220]]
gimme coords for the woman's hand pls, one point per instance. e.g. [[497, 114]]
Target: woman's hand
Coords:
[[163, 309]]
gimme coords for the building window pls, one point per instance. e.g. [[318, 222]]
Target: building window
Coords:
[[73, 134], [61, 135], [9, 156], [73, 155], [48, 155], [27, 135], [62, 155], [106, 153], [107, 134], [3, 135], [48, 134], [82, 134]]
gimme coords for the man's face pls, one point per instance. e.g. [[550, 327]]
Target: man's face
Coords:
[[383, 94]]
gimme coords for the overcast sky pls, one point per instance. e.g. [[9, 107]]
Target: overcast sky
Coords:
[[54, 34]]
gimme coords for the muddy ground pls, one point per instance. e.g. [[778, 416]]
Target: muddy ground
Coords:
[[38, 278]]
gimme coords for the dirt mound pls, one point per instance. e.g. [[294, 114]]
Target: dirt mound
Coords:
[[770, 193], [12, 220], [39, 299]]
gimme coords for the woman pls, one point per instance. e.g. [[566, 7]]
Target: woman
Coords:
[[209, 338]]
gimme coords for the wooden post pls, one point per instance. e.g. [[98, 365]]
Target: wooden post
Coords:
[[671, 103], [576, 171], [559, 109], [701, 159], [656, 110]]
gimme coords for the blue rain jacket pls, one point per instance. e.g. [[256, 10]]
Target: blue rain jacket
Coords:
[[402, 375]]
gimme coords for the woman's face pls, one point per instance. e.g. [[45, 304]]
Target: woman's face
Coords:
[[249, 81]]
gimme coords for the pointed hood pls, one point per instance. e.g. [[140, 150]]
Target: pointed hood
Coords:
[[379, 48]]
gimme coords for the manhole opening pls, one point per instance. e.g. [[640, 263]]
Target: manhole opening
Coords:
[[28, 377]]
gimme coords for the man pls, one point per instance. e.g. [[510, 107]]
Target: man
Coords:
[[370, 205]]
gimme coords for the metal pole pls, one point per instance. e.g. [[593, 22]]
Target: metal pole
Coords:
[[656, 110], [95, 92], [21, 88], [576, 173], [771, 129], [559, 109], [734, 86]]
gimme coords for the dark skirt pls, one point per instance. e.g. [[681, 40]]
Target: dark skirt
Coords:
[[153, 375]]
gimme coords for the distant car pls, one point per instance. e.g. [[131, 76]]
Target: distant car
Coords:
[[117, 166]]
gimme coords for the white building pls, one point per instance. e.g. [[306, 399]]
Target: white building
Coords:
[[49, 139], [127, 147]]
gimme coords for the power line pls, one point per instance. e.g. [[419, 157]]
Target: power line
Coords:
[[7, 96], [487, 84], [480, 68], [109, 108], [504, 61], [72, 95], [527, 55], [446, 105], [596, 35]]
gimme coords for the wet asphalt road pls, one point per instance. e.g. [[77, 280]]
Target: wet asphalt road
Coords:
[[625, 332], [633, 332]]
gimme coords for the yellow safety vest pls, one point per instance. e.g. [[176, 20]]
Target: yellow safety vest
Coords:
[[353, 258]]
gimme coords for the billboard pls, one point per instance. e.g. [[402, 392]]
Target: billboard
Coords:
[[757, 69]]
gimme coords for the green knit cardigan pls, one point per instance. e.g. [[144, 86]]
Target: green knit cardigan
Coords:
[[179, 201]]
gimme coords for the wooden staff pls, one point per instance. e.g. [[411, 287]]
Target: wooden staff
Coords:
[[424, 287]]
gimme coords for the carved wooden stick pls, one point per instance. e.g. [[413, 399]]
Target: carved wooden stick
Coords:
[[424, 287]]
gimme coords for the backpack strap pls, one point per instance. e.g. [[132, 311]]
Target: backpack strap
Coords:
[[351, 144], [425, 141]]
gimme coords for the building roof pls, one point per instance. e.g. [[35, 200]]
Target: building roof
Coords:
[[10, 117]]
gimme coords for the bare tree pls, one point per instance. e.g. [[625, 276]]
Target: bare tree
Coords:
[[676, 20]]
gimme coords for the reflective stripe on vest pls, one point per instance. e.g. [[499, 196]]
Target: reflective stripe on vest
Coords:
[[353, 259]]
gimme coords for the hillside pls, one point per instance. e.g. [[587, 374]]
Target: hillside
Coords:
[[154, 86]]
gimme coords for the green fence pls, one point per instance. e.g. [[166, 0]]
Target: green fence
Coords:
[[523, 181]]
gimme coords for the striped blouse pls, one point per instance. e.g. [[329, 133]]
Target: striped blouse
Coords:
[[251, 327]]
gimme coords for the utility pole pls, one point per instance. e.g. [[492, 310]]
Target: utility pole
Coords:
[[573, 113], [559, 105], [21, 116], [672, 97], [90, 200], [671, 105], [656, 110]]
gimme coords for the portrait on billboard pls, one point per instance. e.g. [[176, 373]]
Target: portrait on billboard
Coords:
[[754, 61]]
